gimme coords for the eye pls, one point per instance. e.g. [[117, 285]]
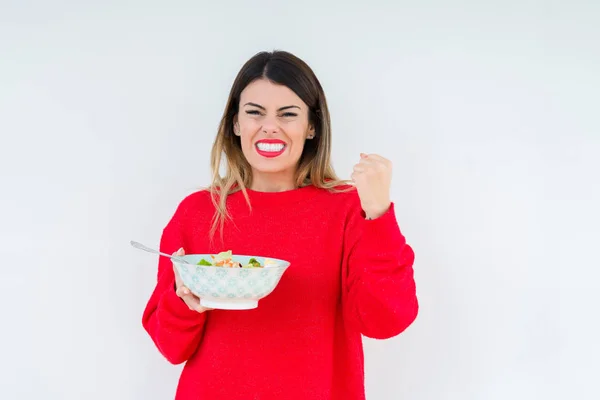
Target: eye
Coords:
[[253, 112], [289, 114]]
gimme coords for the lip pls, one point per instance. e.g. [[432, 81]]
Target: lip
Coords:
[[271, 141], [270, 154]]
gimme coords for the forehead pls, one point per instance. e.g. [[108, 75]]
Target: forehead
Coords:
[[269, 94]]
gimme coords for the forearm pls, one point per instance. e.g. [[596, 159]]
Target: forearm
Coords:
[[380, 298], [381, 301], [175, 329]]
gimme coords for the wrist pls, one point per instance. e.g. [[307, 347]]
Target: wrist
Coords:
[[374, 213]]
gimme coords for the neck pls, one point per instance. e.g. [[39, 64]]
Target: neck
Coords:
[[265, 182]]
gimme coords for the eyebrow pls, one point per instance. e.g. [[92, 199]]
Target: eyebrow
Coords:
[[279, 109]]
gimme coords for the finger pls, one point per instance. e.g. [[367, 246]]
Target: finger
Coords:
[[357, 177], [373, 157], [176, 273], [367, 161], [192, 302], [182, 291], [375, 165], [180, 252], [380, 160], [201, 308], [359, 168]]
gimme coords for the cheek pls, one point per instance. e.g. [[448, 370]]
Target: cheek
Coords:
[[246, 145], [249, 125], [297, 135], [248, 130]]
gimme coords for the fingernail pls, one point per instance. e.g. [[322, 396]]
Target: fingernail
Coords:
[[186, 291]]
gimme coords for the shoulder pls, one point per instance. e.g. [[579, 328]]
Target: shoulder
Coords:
[[198, 197], [193, 202], [340, 196], [340, 192]]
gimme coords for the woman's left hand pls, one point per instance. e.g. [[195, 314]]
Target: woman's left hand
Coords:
[[372, 177]]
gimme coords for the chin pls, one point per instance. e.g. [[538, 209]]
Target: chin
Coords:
[[282, 163], [261, 167], [271, 166]]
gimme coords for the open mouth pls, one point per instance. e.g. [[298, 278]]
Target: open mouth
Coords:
[[270, 148]]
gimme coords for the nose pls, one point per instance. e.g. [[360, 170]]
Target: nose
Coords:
[[270, 125]]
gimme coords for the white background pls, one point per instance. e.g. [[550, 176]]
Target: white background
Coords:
[[489, 110]]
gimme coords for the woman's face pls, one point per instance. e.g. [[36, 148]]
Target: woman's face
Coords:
[[272, 124]]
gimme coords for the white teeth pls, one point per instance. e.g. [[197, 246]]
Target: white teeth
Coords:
[[274, 147]]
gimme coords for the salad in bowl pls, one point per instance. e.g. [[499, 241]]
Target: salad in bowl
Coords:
[[230, 282]]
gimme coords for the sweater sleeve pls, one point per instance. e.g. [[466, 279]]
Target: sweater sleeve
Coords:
[[380, 297], [174, 328]]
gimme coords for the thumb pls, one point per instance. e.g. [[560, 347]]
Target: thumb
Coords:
[[180, 252], [363, 155]]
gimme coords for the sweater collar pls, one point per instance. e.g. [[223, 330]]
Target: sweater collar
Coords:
[[274, 199]]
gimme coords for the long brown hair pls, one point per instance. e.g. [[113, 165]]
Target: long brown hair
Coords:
[[314, 166]]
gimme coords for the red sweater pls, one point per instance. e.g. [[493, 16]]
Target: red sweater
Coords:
[[348, 276]]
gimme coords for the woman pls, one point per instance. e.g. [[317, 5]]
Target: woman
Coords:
[[351, 270]]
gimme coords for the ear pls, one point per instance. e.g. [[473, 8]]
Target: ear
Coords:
[[311, 132], [236, 126]]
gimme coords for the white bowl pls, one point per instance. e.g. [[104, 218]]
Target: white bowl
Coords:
[[230, 288]]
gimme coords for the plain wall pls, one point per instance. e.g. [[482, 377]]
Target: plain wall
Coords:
[[489, 111]]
